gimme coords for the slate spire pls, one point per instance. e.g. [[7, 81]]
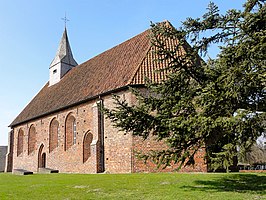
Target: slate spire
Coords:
[[63, 61]]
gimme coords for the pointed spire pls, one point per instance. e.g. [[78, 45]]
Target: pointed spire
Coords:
[[64, 53], [63, 61]]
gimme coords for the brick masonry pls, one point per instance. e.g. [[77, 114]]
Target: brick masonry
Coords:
[[106, 148], [252, 171], [144, 146], [3, 152], [9, 155]]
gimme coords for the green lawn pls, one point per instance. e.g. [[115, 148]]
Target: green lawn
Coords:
[[134, 186]]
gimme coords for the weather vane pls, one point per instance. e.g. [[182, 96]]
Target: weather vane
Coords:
[[65, 19]]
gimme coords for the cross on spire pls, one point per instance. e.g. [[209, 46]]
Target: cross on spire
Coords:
[[65, 19]]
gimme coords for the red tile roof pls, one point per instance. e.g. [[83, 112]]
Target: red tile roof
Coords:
[[125, 64]]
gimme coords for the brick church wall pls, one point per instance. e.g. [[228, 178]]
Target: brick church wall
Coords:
[[9, 155], [69, 160], [118, 147], [117, 144], [144, 146]]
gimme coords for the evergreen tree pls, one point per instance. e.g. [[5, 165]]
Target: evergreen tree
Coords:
[[219, 104]]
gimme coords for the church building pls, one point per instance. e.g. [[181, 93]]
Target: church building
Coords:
[[62, 127]]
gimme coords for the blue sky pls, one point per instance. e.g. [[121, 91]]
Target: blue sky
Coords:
[[30, 31]]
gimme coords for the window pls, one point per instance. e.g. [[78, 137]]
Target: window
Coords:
[[87, 146], [31, 139], [54, 72], [58, 136], [53, 135], [20, 142], [70, 131], [74, 132]]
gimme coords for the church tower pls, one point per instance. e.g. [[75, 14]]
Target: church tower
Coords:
[[63, 61]]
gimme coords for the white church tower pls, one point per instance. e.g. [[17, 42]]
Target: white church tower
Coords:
[[63, 61]]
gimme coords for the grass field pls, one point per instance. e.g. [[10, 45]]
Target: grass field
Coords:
[[134, 186]]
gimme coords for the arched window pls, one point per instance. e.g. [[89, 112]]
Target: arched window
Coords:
[[74, 132], [20, 142], [53, 134], [70, 131], [31, 139], [87, 146]]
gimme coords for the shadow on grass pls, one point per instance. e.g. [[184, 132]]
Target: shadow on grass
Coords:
[[242, 183]]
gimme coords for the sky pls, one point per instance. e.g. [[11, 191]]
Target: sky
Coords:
[[30, 31]]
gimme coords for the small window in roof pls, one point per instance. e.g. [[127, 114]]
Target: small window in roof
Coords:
[[54, 71]]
